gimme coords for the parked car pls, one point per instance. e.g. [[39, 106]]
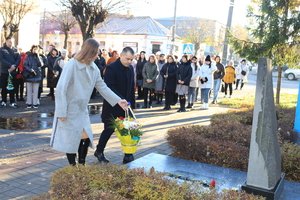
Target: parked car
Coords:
[[292, 74]]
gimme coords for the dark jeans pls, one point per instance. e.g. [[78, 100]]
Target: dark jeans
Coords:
[[105, 135], [19, 88], [3, 83], [151, 95], [237, 83], [230, 88]]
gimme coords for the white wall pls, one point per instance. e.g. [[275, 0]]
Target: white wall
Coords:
[[30, 29]]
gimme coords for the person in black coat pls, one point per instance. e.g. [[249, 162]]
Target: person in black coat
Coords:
[[184, 74], [169, 71], [119, 77], [139, 73], [101, 64], [33, 76], [9, 60], [51, 79]]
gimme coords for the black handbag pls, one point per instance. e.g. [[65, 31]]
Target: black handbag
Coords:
[[243, 73], [222, 88]]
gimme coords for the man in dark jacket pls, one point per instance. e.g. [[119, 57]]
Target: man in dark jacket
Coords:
[[101, 64], [119, 77], [218, 76], [9, 59]]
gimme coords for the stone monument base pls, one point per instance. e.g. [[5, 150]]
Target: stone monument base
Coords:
[[273, 194]]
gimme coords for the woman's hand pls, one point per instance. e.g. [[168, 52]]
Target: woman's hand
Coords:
[[62, 119], [123, 104]]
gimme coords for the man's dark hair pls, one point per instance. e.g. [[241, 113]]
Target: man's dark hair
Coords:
[[127, 50]]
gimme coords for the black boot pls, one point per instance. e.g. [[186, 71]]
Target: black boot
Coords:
[[71, 158], [128, 158], [182, 104], [189, 105], [83, 150], [100, 156]]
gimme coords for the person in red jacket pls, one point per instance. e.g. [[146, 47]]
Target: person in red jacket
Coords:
[[19, 83]]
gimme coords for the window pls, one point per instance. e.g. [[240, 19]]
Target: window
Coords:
[[155, 48], [102, 44], [133, 45]]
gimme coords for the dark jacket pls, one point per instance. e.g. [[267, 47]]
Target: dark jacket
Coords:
[[184, 73], [8, 57], [119, 79], [139, 69], [170, 83], [220, 73], [32, 68], [51, 80], [101, 64]]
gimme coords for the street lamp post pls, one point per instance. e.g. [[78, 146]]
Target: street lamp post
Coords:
[[173, 29], [228, 26]]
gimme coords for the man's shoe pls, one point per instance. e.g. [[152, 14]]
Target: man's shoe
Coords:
[[100, 156], [29, 106], [128, 158], [35, 106], [3, 104], [13, 105]]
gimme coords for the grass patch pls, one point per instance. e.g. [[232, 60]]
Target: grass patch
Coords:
[[286, 101]]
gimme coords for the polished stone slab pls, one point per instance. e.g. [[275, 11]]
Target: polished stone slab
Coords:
[[225, 178]]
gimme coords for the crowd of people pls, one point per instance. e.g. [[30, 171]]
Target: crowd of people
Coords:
[[156, 77]]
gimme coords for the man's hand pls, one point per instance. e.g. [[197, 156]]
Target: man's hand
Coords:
[[123, 104], [149, 81], [166, 76], [12, 68], [62, 119]]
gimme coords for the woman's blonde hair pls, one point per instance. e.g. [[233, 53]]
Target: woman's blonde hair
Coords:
[[88, 51]]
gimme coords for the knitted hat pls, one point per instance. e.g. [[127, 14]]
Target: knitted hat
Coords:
[[208, 58]]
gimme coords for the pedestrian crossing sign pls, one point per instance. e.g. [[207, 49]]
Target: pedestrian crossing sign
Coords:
[[188, 49]]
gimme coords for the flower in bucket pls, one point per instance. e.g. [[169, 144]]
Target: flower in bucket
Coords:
[[128, 126]]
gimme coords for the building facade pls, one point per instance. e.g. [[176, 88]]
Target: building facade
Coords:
[[117, 32]]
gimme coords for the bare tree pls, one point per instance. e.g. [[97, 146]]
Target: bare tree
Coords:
[[90, 13], [13, 12], [66, 22], [202, 32]]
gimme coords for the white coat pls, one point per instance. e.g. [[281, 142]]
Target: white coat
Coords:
[[195, 76], [239, 70], [73, 93], [205, 71]]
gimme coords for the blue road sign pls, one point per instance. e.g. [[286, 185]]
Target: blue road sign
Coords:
[[188, 49]]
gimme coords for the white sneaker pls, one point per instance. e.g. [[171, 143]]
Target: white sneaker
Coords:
[[206, 106], [230, 96]]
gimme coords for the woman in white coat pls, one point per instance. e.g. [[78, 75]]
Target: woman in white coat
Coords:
[[206, 79], [72, 131], [242, 72]]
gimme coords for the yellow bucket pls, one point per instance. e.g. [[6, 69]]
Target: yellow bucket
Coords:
[[129, 146]]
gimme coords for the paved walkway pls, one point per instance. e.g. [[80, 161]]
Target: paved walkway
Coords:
[[26, 171]]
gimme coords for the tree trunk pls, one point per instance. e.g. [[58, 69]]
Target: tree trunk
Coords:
[[278, 85], [66, 39]]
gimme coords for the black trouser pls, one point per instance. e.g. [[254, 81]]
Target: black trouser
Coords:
[[151, 95], [169, 99], [140, 91], [237, 83], [105, 135], [19, 88], [159, 97], [52, 91], [230, 88], [4, 91], [182, 101]]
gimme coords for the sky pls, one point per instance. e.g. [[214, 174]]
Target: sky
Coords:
[[211, 9]]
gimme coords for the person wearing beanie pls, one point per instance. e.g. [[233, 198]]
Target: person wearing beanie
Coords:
[[242, 72], [194, 83], [206, 79], [184, 74]]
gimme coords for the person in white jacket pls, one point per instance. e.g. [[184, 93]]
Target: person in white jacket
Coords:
[[242, 72], [194, 83], [206, 78]]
